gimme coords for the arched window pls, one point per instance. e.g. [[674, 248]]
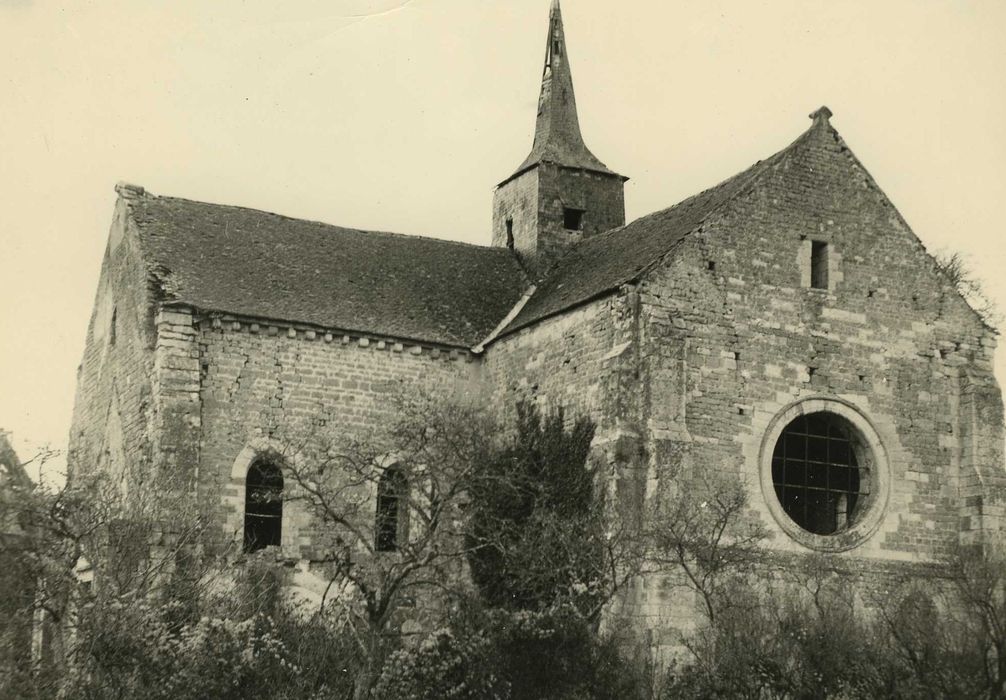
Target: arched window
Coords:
[[391, 525], [263, 505]]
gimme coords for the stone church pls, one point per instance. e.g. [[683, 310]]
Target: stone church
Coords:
[[785, 327]]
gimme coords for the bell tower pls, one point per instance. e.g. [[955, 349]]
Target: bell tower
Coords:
[[561, 193]]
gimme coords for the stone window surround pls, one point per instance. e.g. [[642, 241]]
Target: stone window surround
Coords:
[[235, 495], [874, 458], [833, 260]]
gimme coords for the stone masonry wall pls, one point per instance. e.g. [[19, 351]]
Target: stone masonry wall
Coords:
[[687, 372], [270, 388], [601, 197], [561, 362], [732, 335], [584, 362], [535, 202], [517, 200], [113, 409]]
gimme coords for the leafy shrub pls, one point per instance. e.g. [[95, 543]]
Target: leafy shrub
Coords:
[[151, 648], [513, 655], [536, 530], [445, 665]]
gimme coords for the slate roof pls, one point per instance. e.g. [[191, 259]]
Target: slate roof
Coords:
[[602, 263], [248, 262]]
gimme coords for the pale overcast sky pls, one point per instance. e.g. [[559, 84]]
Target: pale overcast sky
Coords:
[[402, 115]]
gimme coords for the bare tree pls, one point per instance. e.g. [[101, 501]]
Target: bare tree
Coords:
[[708, 537], [979, 578], [390, 514], [957, 270], [83, 549]]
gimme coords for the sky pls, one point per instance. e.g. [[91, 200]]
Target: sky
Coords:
[[402, 115]]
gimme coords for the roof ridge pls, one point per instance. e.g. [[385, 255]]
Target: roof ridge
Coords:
[[147, 196]]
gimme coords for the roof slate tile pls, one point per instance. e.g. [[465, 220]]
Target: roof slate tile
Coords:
[[249, 262]]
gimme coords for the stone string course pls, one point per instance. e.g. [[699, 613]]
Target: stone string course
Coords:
[[273, 328]]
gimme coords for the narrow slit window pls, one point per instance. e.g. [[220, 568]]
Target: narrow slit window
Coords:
[[509, 234], [819, 251], [572, 219]]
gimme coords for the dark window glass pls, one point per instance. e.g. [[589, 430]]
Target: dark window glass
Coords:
[[815, 472], [572, 219], [819, 265], [391, 525], [263, 506]]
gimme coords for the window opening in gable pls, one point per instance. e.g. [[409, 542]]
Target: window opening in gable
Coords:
[[572, 219], [263, 506], [817, 473], [112, 327], [391, 526], [819, 251], [509, 233]]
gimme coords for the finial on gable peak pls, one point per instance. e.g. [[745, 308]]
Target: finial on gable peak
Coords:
[[821, 115], [555, 6]]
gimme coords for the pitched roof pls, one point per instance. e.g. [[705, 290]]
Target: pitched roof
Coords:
[[248, 262], [603, 263], [557, 137]]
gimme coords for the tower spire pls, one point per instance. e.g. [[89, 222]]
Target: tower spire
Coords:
[[557, 137], [561, 193]]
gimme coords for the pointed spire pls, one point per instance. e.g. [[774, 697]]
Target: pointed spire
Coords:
[[557, 137]]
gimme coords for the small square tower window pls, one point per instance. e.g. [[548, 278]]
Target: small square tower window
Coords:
[[572, 219], [819, 251]]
